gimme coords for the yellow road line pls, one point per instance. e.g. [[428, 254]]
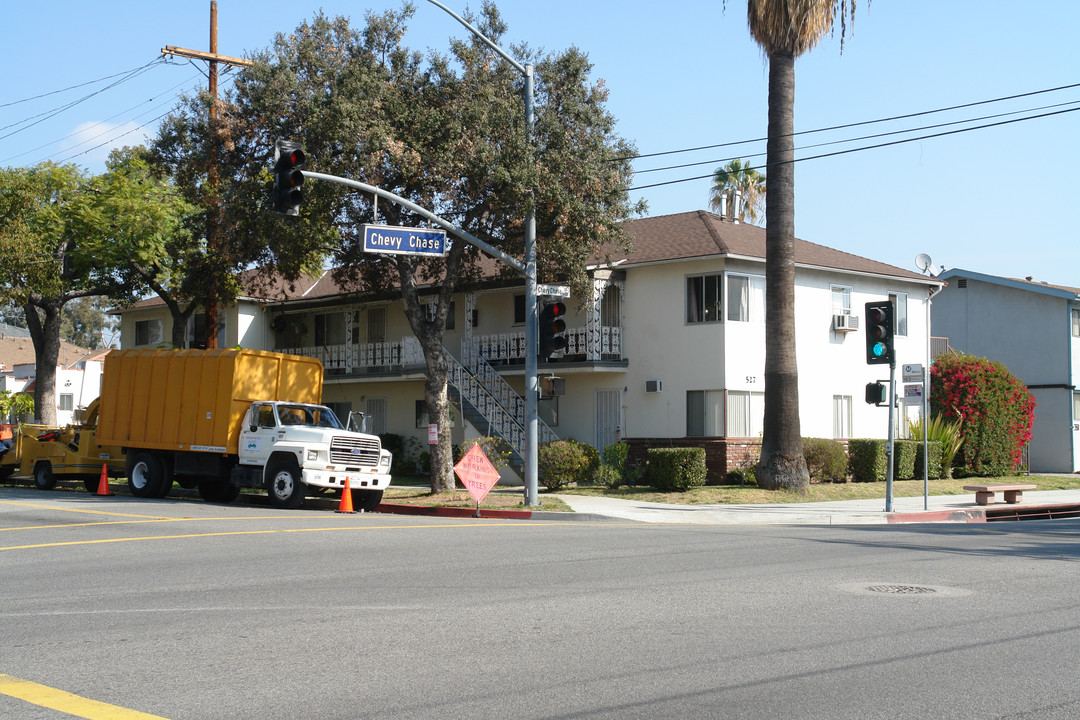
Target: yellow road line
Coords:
[[44, 696], [80, 510]]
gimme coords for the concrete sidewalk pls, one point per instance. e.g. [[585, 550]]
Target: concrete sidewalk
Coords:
[[946, 508]]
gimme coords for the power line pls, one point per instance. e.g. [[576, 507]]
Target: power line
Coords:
[[869, 137], [873, 147], [72, 87], [854, 124], [42, 117]]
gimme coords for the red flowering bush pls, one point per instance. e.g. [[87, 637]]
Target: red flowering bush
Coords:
[[994, 408]]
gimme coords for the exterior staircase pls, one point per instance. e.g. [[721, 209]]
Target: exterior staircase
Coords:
[[489, 402]]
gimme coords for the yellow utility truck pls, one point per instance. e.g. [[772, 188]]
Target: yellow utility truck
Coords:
[[221, 420], [48, 453]]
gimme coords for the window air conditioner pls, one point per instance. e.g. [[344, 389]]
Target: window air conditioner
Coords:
[[845, 323], [654, 385]]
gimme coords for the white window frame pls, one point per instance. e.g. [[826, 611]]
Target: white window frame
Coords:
[[843, 293], [748, 305], [842, 411], [66, 403], [1075, 314], [745, 413]]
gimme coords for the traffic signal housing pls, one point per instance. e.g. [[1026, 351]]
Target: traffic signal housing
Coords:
[[551, 326], [288, 193], [877, 394], [879, 333]]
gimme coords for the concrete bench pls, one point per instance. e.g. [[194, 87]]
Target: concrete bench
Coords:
[[984, 494]]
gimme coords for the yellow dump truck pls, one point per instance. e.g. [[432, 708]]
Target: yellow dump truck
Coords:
[[48, 453], [221, 420]]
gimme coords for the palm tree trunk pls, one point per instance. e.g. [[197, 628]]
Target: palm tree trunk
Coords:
[[782, 465]]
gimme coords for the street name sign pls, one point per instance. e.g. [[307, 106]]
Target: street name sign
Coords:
[[391, 240], [562, 291]]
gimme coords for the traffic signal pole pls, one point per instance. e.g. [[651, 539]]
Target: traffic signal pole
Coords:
[[889, 445]]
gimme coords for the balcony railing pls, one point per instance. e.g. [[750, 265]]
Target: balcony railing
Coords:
[[497, 349]]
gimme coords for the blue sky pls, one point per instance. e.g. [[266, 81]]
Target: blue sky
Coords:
[[681, 74]]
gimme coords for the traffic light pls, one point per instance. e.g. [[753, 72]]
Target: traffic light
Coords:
[[288, 159], [877, 394], [879, 333], [551, 328]]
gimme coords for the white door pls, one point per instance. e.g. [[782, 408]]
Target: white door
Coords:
[[606, 418]]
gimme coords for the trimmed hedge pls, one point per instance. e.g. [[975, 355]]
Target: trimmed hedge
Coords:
[[904, 459], [868, 459], [826, 460], [935, 453], [676, 469], [563, 462]]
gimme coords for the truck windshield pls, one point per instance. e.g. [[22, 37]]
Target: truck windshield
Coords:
[[312, 415]]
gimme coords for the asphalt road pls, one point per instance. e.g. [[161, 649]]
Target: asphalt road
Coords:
[[139, 608]]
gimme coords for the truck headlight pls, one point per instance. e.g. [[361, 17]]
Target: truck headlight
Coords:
[[385, 459], [312, 455]]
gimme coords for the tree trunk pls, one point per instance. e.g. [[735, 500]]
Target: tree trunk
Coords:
[[782, 465], [46, 337]]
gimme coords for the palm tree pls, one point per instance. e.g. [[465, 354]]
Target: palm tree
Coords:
[[784, 29], [747, 181]]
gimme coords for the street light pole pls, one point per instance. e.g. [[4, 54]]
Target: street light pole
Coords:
[[532, 434]]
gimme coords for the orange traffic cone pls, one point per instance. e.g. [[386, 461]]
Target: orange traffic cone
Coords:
[[103, 483], [346, 499]]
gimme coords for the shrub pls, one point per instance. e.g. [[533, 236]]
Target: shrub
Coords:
[[676, 469], [746, 475], [589, 476], [609, 477], [867, 459], [498, 451], [825, 459], [396, 446], [563, 462], [944, 432], [995, 411], [904, 459], [615, 455], [935, 469]]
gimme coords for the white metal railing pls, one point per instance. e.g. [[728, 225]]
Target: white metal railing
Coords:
[[505, 347], [493, 398], [351, 357]]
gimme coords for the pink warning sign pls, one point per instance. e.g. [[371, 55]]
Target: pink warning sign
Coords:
[[477, 473]]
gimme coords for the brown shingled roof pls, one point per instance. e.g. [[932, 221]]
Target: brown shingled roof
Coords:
[[700, 234], [20, 351]]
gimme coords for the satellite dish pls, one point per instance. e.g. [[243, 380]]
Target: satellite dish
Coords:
[[923, 262]]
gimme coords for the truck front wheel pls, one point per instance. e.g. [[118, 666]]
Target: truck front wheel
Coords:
[[217, 490], [367, 500], [144, 474], [284, 484], [43, 476]]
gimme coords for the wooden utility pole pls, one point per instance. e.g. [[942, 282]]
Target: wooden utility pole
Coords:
[[213, 215]]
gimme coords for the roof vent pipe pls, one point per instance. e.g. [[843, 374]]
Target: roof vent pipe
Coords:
[[737, 208], [723, 206]]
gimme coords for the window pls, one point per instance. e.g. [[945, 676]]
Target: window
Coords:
[[703, 299], [841, 414], [841, 300], [519, 309], [704, 413], [147, 332], [899, 301], [547, 410], [375, 409], [746, 298], [1076, 322], [429, 309], [746, 413], [330, 329], [67, 402]]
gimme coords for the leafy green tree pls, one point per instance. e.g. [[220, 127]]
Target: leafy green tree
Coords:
[[66, 236], [784, 29], [14, 406], [750, 184], [445, 131], [84, 321]]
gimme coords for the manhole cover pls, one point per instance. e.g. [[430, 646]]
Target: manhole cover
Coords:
[[901, 589]]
